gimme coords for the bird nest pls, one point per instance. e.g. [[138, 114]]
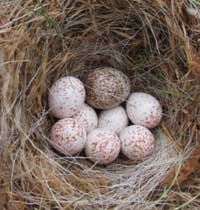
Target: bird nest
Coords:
[[40, 42]]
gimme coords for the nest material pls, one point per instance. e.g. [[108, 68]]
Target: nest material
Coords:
[[152, 42]]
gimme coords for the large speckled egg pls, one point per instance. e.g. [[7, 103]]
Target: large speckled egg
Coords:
[[102, 146], [137, 142], [66, 97], [106, 88], [144, 109], [68, 137], [87, 118], [115, 119]]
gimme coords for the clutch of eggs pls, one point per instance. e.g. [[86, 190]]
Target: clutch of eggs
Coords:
[[102, 137]]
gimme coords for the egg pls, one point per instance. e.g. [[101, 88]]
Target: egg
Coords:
[[106, 88], [102, 146], [68, 137], [115, 119], [87, 118], [144, 109], [137, 142], [66, 97]]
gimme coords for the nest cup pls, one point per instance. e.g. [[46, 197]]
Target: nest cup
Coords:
[[72, 38]]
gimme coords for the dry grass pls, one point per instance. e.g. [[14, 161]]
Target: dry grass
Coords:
[[155, 42]]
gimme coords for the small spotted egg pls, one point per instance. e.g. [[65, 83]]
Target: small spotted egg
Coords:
[[87, 118], [144, 109], [137, 142], [115, 119], [102, 146], [68, 137], [106, 88], [66, 97]]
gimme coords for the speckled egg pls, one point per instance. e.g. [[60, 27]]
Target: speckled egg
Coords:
[[106, 88], [137, 142], [102, 146], [68, 137], [144, 109], [115, 119], [66, 97], [87, 118]]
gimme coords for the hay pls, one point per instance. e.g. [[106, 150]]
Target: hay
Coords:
[[42, 41]]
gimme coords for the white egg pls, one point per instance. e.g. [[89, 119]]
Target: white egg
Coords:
[[115, 119], [66, 97], [68, 137], [137, 142], [102, 146], [87, 118], [144, 109]]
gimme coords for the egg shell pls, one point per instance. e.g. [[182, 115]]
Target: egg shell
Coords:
[[87, 118], [102, 146], [68, 137], [144, 109], [137, 142], [115, 119], [66, 97], [106, 88]]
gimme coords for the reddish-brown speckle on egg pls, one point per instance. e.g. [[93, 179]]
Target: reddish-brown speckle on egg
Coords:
[[66, 97], [137, 142], [106, 88], [68, 137], [144, 109], [102, 146]]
